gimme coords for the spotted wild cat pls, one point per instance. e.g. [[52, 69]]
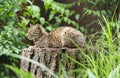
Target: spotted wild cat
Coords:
[[61, 37]]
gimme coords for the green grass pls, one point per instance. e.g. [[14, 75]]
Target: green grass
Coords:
[[104, 56]]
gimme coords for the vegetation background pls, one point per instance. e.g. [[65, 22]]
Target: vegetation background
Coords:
[[97, 19]]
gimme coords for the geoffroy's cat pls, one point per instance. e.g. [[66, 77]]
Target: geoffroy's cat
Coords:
[[61, 37]]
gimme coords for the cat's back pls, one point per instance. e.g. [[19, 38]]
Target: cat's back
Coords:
[[64, 32], [69, 33], [64, 29], [55, 37], [67, 30], [61, 36]]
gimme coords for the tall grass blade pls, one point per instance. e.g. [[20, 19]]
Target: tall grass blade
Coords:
[[115, 73], [90, 74], [20, 73]]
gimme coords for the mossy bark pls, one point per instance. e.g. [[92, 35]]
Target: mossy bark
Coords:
[[56, 59]]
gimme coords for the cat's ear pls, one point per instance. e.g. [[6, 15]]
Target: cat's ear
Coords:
[[38, 26], [42, 29], [31, 25]]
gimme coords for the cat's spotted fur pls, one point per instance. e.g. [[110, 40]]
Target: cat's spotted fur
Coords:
[[61, 37]]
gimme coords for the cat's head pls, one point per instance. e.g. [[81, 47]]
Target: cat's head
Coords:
[[35, 32]]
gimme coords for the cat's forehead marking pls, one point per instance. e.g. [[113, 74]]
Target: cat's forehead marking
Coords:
[[33, 27]]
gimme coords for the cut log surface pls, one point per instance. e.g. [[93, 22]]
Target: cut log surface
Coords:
[[56, 59]]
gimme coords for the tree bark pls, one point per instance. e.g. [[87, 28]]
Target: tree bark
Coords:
[[53, 58]]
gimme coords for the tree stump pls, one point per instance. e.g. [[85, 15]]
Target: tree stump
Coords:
[[54, 58]]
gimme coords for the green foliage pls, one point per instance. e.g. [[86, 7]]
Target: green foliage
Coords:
[[10, 40], [10, 34], [57, 11], [63, 11], [95, 8], [20, 73], [98, 7], [103, 60], [8, 9], [103, 50]]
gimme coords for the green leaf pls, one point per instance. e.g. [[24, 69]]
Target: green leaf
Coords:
[[50, 28], [15, 49], [58, 20], [65, 19], [57, 8], [29, 1], [62, 10], [77, 16], [52, 13], [42, 20], [47, 5], [67, 12], [24, 20], [34, 11]]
